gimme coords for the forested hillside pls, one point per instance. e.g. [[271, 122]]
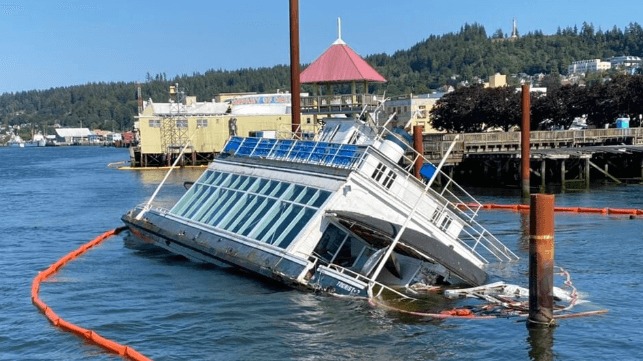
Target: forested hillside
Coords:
[[439, 60]]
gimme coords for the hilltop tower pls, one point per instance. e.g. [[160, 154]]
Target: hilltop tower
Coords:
[[514, 30]]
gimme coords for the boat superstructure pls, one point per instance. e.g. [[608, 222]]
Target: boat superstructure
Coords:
[[341, 213]]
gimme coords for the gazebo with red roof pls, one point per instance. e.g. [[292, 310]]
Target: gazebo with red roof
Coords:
[[339, 64]]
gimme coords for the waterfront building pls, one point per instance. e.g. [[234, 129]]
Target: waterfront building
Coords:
[[72, 136], [626, 62], [165, 128], [588, 66], [413, 109]]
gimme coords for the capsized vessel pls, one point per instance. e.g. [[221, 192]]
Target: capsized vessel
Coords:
[[341, 213]]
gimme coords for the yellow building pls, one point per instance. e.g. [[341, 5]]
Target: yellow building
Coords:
[[497, 80], [165, 128], [412, 110]]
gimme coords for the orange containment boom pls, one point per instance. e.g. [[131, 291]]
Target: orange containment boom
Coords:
[[57, 321], [525, 207]]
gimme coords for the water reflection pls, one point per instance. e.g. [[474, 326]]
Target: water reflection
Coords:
[[541, 343]]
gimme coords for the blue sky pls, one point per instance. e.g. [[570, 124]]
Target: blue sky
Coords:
[[53, 43]]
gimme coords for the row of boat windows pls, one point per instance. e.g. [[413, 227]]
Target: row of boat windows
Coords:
[[266, 210]]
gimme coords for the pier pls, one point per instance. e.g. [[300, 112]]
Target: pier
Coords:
[[569, 158]]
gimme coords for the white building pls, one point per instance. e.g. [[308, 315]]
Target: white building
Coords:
[[588, 66], [625, 62]]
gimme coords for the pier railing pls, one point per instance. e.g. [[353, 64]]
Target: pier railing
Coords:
[[435, 145], [338, 104]]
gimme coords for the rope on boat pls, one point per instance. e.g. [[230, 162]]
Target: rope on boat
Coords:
[[86, 334], [525, 207]]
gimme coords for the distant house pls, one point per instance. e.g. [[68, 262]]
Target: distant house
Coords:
[[496, 81], [412, 110], [69, 136], [626, 62], [588, 66]]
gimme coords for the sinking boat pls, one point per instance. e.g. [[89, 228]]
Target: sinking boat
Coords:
[[342, 213]]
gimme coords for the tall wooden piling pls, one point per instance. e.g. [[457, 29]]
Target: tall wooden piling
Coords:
[[525, 140], [541, 261], [295, 93], [418, 145]]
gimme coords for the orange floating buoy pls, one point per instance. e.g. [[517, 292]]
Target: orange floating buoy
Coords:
[[90, 335], [621, 211], [565, 209], [591, 210]]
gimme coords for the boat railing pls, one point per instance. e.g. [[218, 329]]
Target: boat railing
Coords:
[[450, 198], [352, 274], [335, 155]]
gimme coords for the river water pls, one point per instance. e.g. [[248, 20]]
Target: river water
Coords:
[[56, 199]]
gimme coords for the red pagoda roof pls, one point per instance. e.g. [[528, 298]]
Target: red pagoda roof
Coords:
[[339, 64]]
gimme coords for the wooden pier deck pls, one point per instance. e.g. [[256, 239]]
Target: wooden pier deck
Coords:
[[508, 143], [561, 157]]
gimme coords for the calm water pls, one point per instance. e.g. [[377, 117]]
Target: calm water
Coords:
[[55, 199]]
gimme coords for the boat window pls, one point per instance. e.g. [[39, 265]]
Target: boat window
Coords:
[[237, 180], [287, 212], [305, 215], [279, 189], [264, 222], [180, 206], [240, 214], [378, 172], [270, 188], [196, 208], [230, 204], [320, 199], [261, 186], [288, 224], [388, 181], [208, 177], [247, 183], [261, 206], [269, 211], [209, 207], [446, 222], [353, 137], [331, 134], [329, 243], [225, 180], [362, 257], [435, 216]]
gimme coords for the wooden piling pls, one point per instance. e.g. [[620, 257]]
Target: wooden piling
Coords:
[[543, 170], [525, 140], [562, 176], [541, 261], [586, 169], [418, 145], [295, 92]]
